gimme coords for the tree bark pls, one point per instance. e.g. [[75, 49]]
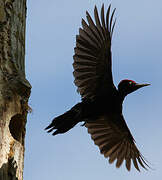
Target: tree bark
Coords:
[[14, 88]]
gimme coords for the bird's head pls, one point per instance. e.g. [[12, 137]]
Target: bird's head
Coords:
[[127, 86]]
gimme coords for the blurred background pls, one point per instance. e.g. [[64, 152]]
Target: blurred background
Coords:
[[137, 54]]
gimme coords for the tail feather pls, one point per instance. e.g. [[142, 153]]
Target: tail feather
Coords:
[[66, 121]]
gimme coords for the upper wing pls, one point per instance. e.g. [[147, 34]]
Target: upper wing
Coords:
[[115, 141], [92, 59]]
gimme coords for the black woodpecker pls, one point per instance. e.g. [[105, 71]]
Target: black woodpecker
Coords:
[[101, 105]]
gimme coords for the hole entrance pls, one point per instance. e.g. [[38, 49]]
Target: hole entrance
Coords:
[[16, 127]]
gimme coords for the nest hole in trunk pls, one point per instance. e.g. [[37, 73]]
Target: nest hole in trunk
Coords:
[[16, 127]]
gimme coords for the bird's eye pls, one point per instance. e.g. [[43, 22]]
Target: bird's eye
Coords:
[[130, 82]]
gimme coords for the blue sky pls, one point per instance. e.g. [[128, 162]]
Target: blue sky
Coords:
[[137, 55]]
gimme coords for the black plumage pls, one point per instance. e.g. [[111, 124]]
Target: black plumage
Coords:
[[101, 105]]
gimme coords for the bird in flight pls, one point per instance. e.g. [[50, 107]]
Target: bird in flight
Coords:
[[101, 105]]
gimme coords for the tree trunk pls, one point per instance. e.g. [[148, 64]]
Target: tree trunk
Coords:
[[14, 88]]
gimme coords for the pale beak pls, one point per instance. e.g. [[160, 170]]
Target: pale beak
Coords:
[[141, 85]]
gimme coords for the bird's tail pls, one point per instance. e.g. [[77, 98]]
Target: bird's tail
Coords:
[[66, 121]]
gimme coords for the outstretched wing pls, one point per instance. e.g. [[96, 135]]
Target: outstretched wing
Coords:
[[115, 141], [92, 59]]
